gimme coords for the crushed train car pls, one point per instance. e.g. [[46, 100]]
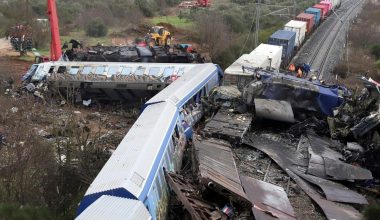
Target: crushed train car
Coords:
[[302, 94]]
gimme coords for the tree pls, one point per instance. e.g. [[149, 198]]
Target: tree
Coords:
[[96, 28], [212, 33]]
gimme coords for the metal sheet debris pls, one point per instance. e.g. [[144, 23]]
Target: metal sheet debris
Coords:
[[342, 171], [269, 201], [322, 146], [187, 194], [274, 110], [217, 168], [228, 126], [332, 210], [334, 191], [285, 158]]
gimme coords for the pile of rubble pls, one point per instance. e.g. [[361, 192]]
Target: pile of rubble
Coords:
[[330, 160]]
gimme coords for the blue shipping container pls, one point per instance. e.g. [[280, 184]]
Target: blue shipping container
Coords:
[[317, 14], [287, 40]]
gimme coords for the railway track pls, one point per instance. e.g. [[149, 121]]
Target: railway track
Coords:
[[326, 44]]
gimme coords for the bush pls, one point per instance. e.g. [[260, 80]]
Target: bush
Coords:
[[146, 8], [377, 64], [96, 28], [375, 50]]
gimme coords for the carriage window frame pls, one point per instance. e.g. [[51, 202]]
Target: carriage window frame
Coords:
[[126, 71], [140, 71], [100, 70], [74, 70], [86, 70], [111, 72], [154, 71]]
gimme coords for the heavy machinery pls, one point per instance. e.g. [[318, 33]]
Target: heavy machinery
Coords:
[[159, 36], [203, 3]]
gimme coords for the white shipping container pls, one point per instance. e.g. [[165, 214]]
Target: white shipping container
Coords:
[[299, 27], [264, 56], [335, 3]]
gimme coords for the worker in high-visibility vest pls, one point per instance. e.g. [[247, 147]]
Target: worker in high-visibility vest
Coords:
[[292, 67], [299, 73]]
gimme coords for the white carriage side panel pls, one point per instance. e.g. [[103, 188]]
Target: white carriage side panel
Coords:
[[130, 164]]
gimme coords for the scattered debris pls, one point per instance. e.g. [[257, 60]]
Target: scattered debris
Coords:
[[217, 168], [293, 163], [228, 126], [269, 201], [274, 110], [303, 95], [188, 195], [14, 109]]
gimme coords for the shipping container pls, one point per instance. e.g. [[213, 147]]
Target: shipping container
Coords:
[[324, 9], [286, 39], [264, 56], [317, 14], [328, 3], [309, 19], [335, 3], [299, 27]]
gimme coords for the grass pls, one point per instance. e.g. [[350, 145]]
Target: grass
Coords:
[[173, 20]]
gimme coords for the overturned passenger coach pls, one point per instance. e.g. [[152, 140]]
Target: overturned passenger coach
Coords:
[[132, 185]]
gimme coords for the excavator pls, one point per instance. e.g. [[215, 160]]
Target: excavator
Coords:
[[159, 36]]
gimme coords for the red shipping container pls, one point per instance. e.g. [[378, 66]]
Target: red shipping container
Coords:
[[323, 8], [327, 3], [309, 19]]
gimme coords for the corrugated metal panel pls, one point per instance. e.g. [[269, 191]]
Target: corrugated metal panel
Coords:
[[299, 27], [309, 19], [110, 207], [286, 39], [329, 4], [323, 8], [184, 85], [137, 151]]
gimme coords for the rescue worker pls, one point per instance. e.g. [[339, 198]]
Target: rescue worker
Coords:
[[292, 67], [299, 73]]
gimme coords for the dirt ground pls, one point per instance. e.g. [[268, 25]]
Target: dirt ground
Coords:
[[53, 123]]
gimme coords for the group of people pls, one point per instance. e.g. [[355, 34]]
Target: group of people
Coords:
[[301, 70]]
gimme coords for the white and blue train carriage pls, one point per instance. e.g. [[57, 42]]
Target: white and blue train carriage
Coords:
[[132, 179], [187, 92]]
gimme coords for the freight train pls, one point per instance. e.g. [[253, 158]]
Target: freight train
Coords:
[[288, 39]]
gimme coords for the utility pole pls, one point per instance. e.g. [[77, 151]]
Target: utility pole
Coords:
[[257, 29], [294, 8]]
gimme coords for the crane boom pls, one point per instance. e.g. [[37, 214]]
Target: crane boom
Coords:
[[55, 42]]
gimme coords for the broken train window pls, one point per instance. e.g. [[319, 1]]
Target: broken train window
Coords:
[[126, 71], [61, 69], [100, 70], [86, 70], [74, 70], [112, 70]]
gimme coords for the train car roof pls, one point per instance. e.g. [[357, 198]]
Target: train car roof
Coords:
[[111, 207], [130, 166], [132, 64], [187, 85]]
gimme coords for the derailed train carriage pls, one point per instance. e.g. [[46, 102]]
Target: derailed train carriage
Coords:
[[132, 185]]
